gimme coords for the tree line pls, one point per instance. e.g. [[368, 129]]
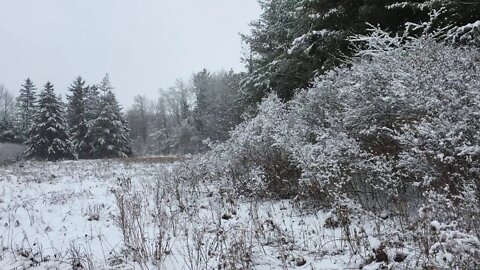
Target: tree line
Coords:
[[291, 44], [90, 125], [185, 116]]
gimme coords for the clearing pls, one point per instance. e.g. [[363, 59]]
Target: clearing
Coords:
[[112, 214]]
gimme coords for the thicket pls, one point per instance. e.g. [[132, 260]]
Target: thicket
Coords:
[[395, 131]]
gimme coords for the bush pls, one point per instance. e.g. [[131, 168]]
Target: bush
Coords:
[[401, 119]]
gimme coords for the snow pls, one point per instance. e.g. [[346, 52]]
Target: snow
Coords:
[[469, 26], [56, 214], [468, 150], [436, 225], [299, 41]]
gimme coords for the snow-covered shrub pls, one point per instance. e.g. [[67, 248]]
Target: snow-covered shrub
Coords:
[[253, 160], [453, 248], [467, 34], [132, 208], [404, 117], [397, 129]]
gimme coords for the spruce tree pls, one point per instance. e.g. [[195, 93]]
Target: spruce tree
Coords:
[[25, 109], [92, 103], [451, 12], [47, 137], [217, 108], [92, 108], [105, 86], [294, 40], [77, 118], [125, 137], [109, 130]]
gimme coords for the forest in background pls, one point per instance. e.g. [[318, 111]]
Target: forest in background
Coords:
[[291, 44]]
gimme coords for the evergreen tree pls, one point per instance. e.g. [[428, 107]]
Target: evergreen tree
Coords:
[[125, 138], [217, 108], [77, 118], [451, 12], [105, 86], [296, 40], [92, 102], [25, 109], [92, 105], [109, 130], [201, 87], [47, 137]]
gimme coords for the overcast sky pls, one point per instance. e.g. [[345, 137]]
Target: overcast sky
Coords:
[[144, 45]]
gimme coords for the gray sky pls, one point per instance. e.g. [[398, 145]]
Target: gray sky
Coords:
[[144, 45]]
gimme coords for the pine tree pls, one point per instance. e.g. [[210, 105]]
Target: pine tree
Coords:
[[92, 108], [217, 108], [25, 109], [105, 86], [47, 137], [92, 102], [295, 40], [109, 130], [201, 86], [451, 12], [77, 118], [125, 136]]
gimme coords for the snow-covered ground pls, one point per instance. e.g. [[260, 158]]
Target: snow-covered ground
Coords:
[[140, 215]]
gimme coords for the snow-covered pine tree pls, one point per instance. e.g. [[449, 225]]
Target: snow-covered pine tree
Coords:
[[77, 118], [109, 130], [25, 109], [92, 108], [127, 142], [47, 137], [105, 86], [92, 101], [450, 12], [295, 41]]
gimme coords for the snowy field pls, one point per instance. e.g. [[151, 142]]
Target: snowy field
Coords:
[[139, 215]]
